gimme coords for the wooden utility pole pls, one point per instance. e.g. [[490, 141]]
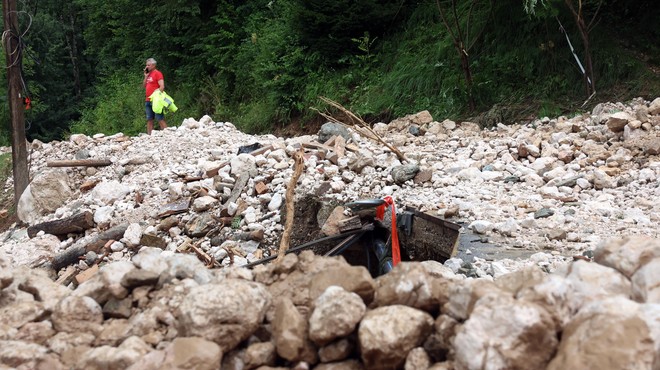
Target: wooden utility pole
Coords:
[[14, 58]]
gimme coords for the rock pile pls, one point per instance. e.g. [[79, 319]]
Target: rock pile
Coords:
[[552, 188], [166, 310], [126, 285]]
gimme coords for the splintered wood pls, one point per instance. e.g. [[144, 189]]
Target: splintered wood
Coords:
[[357, 124], [290, 194], [351, 223]]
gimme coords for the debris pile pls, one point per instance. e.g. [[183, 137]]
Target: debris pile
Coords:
[[166, 310], [130, 251], [549, 189]]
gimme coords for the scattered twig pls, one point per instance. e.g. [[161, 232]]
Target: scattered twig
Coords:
[[589, 98], [290, 195], [210, 261], [358, 125]]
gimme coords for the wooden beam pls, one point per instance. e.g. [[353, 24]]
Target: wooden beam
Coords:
[[14, 59], [80, 163], [73, 224]]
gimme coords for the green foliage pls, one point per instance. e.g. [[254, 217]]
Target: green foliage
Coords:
[[262, 63], [328, 27], [118, 106]]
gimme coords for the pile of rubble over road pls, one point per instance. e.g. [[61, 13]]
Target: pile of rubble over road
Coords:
[[166, 310], [554, 187]]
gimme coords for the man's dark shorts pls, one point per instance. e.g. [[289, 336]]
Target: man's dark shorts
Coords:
[[150, 112]]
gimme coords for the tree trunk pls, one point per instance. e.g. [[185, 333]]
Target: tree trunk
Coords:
[[14, 60], [459, 39], [588, 66], [73, 54], [467, 72], [589, 80]]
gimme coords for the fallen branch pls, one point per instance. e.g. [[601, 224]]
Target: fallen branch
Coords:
[[208, 260], [80, 163], [358, 125], [290, 195], [67, 257]]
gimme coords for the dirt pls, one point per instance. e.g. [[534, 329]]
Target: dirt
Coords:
[[299, 127]]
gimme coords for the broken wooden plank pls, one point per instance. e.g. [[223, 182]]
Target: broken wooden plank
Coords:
[[261, 150], [352, 147], [331, 140], [80, 163], [67, 276], [87, 274], [238, 188], [214, 171], [340, 146], [261, 188], [73, 224], [317, 146]]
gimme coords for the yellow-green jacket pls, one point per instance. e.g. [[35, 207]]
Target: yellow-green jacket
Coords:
[[161, 102]]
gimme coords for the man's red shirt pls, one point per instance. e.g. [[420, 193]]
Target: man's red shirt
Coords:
[[152, 82]]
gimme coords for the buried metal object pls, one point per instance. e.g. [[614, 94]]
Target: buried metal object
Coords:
[[422, 237]]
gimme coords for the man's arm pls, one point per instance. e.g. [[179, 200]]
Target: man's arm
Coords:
[[161, 85], [144, 82]]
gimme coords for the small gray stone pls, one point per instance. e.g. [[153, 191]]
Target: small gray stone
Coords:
[[543, 212], [555, 234], [150, 240], [330, 129], [200, 225], [414, 130], [118, 309], [403, 173], [139, 277], [82, 154], [91, 257]]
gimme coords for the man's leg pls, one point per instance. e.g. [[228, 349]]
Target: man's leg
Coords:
[[162, 124], [150, 117], [150, 126]]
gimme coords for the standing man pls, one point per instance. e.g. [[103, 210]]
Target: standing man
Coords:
[[153, 79]]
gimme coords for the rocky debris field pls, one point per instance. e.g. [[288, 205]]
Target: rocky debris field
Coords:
[[165, 310], [547, 190], [109, 268]]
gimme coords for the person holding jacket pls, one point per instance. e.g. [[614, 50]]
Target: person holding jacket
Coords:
[[153, 80]]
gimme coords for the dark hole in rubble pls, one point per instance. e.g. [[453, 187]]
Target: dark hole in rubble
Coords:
[[423, 237]]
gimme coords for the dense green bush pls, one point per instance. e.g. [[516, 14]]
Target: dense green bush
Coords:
[[118, 106]]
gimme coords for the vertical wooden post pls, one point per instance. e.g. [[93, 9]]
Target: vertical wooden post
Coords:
[[13, 56]]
